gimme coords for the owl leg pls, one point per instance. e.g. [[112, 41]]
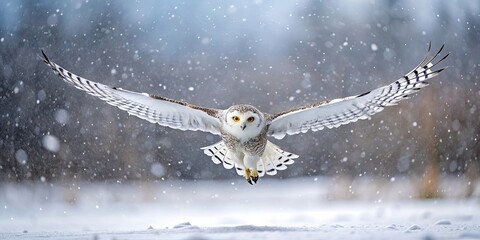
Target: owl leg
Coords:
[[251, 173], [247, 176]]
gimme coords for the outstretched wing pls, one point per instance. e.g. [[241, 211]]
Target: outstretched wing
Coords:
[[337, 112], [155, 109]]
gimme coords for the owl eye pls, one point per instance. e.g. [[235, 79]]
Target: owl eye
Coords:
[[250, 119], [235, 118]]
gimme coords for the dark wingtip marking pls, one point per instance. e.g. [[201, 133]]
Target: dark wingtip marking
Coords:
[[441, 69], [279, 165], [429, 46], [45, 58], [361, 95], [443, 45], [271, 170], [448, 54]]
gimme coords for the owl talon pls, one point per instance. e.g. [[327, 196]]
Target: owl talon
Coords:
[[254, 176], [251, 176]]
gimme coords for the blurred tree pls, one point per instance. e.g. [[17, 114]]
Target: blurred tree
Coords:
[[430, 177]]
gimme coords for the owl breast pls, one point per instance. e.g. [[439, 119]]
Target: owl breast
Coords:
[[254, 145]]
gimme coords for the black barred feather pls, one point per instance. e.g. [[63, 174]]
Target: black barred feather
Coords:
[[220, 154], [337, 112], [155, 109], [315, 117], [273, 159]]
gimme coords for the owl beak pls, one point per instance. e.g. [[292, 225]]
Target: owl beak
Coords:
[[243, 126]]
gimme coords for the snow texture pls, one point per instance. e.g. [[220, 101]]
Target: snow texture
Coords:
[[281, 209]]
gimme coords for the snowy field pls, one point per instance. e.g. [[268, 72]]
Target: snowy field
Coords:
[[304, 208]]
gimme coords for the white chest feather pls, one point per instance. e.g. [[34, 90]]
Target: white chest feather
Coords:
[[245, 134]]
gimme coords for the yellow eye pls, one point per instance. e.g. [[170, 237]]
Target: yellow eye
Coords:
[[250, 119], [236, 118]]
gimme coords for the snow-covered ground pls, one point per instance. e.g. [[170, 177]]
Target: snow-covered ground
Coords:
[[304, 208]]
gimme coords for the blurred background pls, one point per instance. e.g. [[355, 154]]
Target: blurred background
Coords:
[[274, 55]]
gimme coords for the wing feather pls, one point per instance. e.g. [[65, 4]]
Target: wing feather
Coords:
[[155, 109], [337, 112]]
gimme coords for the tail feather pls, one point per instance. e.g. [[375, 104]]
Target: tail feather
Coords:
[[219, 154], [239, 170], [212, 151], [273, 159]]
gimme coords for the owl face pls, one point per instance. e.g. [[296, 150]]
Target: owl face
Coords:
[[244, 122]]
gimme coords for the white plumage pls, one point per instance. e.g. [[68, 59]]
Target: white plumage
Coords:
[[244, 129], [273, 159], [155, 109], [337, 112]]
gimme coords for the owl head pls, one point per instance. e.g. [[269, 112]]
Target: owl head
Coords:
[[243, 121]]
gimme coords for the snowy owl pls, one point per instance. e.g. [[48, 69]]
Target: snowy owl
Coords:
[[244, 129]]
